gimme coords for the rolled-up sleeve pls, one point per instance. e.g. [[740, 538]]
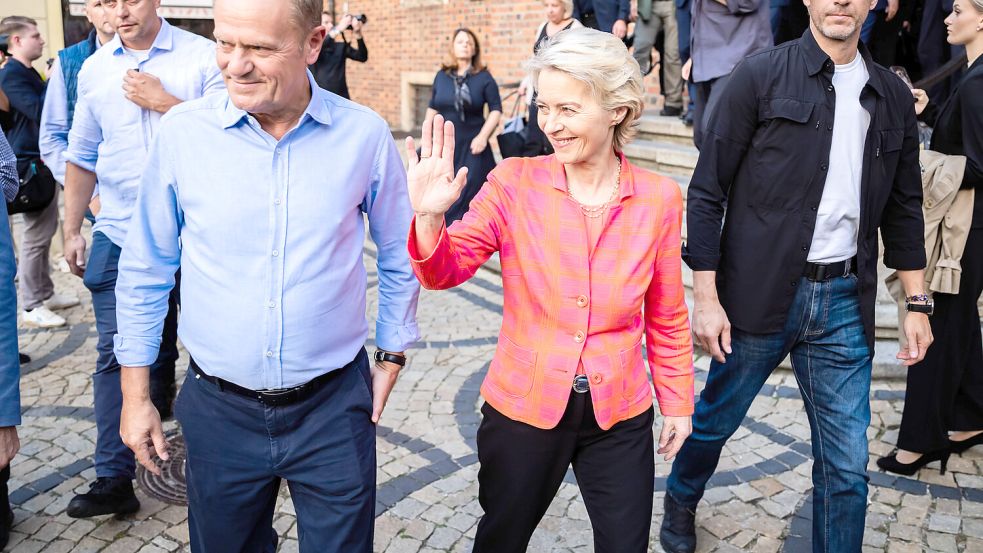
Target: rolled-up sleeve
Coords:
[[54, 124], [150, 257], [388, 208], [86, 134], [669, 343], [903, 224]]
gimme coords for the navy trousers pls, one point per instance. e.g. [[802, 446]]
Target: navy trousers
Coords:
[[113, 458], [239, 450]]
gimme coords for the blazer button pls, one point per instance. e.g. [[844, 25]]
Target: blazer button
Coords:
[[578, 337], [596, 378], [581, 301]]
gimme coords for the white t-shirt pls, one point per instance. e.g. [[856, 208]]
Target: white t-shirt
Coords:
[[838, 223]]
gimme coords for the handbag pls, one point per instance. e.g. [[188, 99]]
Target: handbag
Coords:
[[37, 187], [512, 140]]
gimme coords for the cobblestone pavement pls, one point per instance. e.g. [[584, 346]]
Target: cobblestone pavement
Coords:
[[427, 497]]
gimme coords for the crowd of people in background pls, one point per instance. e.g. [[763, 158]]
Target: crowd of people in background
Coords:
[[832, 96]]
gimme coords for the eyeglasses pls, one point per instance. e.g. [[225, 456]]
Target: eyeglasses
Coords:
[[111, 4]]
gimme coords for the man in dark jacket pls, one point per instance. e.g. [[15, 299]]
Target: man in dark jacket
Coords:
[[811, 149], [610, 16], [329, 69], [25, 89]]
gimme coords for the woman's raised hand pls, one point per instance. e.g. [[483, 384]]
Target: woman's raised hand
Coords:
[[433, 187]]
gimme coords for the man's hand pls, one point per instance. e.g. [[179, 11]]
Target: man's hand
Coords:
[[384, 375], [9, 445], [141, 431], [357, 27], [146, 91], [687, 69], [892, 9], [918, 336], [620, 28], [74, 247], [675, 430], [711, 327], [479, 144]]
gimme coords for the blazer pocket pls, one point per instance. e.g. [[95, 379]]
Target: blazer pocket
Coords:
[[634, 375], [513, 371]]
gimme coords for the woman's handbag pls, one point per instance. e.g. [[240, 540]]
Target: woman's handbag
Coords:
[[37, 187], [512, 140]]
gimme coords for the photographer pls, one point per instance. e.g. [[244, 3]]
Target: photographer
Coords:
[[329, 69]]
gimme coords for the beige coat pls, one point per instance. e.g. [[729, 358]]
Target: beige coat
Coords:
[[948, 213]]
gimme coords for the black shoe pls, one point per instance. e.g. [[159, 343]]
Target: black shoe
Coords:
[[891, 463], [678, 532], [671, 111], [688, 120], [963, 445], [6, 523], [24, 358], [106, 496]]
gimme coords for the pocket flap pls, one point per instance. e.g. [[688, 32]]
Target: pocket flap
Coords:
[[891, 140], [787, 108]]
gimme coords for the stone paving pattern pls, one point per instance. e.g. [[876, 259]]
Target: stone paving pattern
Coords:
[[427, 499]]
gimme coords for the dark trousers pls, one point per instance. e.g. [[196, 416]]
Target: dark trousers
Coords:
[[522, 468], [706, 93], [884, 35], [239, 450], [825, 336], [4, 492], [945, 390], [684, 21], [112, 457]]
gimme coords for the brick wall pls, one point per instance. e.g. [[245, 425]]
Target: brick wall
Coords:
[[407, 39]]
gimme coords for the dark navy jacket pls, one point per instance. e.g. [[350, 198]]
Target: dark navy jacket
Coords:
[[25, 88]]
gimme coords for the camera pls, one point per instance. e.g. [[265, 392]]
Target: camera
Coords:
[[359, 17]]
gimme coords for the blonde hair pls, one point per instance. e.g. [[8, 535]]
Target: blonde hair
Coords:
[[978, 4], [568, 7], [601, 61]]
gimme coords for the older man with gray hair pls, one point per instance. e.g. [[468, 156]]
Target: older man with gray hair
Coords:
[[273, 289]]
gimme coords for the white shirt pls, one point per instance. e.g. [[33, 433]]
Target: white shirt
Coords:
[[838, 223]]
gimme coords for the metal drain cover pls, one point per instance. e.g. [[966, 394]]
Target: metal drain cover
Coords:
[[170, 487]]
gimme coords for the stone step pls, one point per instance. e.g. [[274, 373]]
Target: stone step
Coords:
[[663, 156], [652, 126]]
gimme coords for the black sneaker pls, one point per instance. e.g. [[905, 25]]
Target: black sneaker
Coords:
[[24, 358], [6, 523], [107, 496], [678, 532], [671, 111]]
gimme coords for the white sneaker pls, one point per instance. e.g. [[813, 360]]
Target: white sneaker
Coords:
[[61, 301], [42, 317]]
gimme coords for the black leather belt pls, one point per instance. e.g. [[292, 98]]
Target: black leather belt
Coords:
[[270, 398], [818, 272]]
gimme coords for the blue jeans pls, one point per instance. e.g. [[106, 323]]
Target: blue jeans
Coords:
[[239, 450], [832, 364], [112, 457], [9, 360]]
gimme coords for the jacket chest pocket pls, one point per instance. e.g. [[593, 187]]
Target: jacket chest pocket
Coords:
[[780, 161], [887, 154]]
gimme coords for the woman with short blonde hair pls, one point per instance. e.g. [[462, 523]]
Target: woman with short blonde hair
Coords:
[[589, 247]]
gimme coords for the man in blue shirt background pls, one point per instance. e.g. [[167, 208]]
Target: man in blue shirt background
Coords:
[[268, 229], [123, 90]]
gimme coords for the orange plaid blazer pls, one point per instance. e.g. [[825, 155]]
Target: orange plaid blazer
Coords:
[[563, 306]]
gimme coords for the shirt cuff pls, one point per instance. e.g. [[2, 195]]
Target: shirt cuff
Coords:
[[392, 337], [905, 260], [88, 165], [701, 262], [411, 248], [676, 409], [133, 351]]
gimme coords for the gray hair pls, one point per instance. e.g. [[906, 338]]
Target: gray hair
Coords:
[[601, 61], [306, 14]]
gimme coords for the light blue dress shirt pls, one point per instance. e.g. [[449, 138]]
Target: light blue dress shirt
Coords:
[[268, 236], [9, 360], [111, 135], [54, 123]]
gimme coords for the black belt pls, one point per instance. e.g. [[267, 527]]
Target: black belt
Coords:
[[270, 398], [818, 272]]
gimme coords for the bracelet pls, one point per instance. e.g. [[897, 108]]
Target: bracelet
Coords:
[[918, 297]]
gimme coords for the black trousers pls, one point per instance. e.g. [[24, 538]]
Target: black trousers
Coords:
[[945, 391], [884, 39], [522, 468]]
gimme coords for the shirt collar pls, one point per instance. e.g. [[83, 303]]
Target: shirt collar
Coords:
[[817, 60], [627, 176], [317, 108], [163, 41]]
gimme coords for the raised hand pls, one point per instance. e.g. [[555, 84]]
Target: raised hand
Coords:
[[433, 187]]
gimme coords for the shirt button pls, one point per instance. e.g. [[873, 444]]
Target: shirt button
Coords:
[[814, 208], [805, 248], [578, 337], [829, 88], [829, 128], [793, 283], [271, 304], [269, 354], [596, 378], [824, 166], [277, 201], [581, 301], [276, 253]]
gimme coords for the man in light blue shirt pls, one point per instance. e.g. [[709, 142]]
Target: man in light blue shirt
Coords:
[[9, 363], [261, 197], [123, 90]]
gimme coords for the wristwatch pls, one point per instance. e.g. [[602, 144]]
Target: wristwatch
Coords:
[[928, 307], [397, 358]]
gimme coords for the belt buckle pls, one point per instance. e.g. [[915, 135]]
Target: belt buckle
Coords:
[[581, 384]]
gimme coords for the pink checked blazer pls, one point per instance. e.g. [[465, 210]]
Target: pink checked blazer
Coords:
[[563, 306]]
